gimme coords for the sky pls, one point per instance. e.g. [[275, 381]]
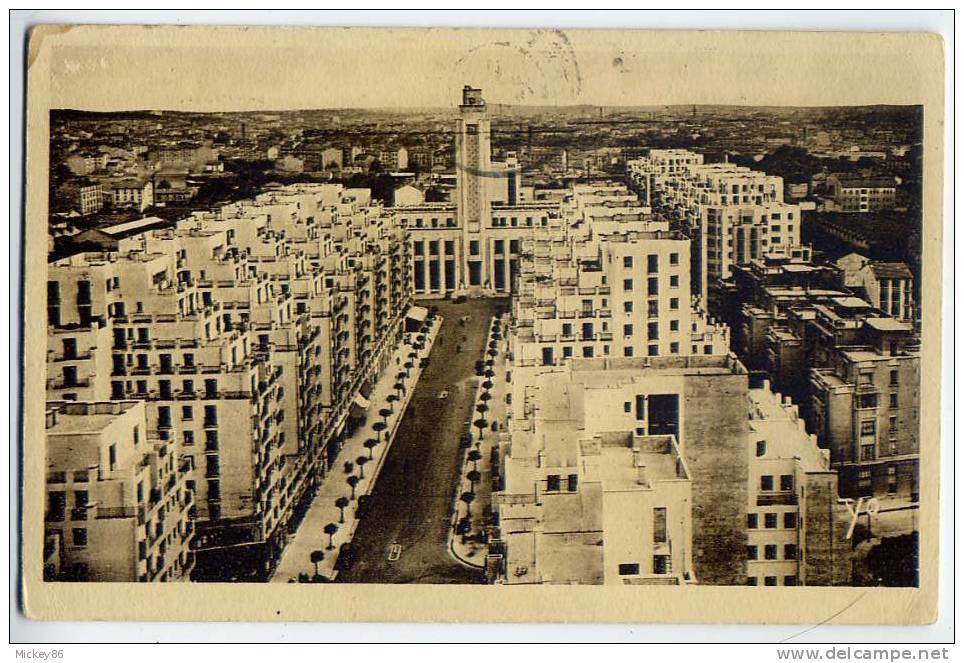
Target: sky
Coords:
[[233, 69]]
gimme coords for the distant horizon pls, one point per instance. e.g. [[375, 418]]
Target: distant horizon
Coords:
[[454, 109]]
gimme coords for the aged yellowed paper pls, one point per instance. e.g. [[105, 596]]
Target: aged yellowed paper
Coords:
[[461, 325]]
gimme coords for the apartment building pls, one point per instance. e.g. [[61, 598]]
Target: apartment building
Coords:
[[759, 294], [90, 198], [249, 333], [393, 159], [698, 401], [589, 500], [733, 214], [607, 279], [796, 523], [865, 404], [888, 285], [862, 194], [119, 499]]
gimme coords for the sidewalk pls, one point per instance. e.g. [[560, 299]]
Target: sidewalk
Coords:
[[469, 549], [311, 536]]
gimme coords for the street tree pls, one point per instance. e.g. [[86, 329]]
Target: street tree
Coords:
[[474, 457], [361, 460], [485, 396], [341, 503], [487, 385], [317, 556], [384, 413], [468, 497], [481, 408], [352, 481], [481, 425], [330, 530], [378, 427], [370, 444], [473, 476]]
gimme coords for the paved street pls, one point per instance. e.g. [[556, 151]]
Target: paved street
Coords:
[[413, 497], [310, 535]]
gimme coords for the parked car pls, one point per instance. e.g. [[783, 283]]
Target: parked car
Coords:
[[346, 557]]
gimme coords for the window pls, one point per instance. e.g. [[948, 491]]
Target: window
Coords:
[[627, 307], [770, 551], [766, 482], [790, 551], [786, 482], [652, 331], [567, 351], [894, 377], [628, 262], [419, 248], [653, 308], [628, 351], [761, 448], [868, 427], [56, 505], [652, 350], [893, 399], [553, 482], [674, 281], [653, 286], [751, 521], [652, 264], [659, 525], [751, 581], [674, 325], [629, 569], [188, 436], [674, 258], [790, 581], [80, 536], [627, 406], [770, 581], [572, 482], [674, 303], [474, 247], [587, 352], [112, 457], [627, 330], [627, 284], [770, 520], [674, 348], [790, 520], [660, 564], [751, 552]]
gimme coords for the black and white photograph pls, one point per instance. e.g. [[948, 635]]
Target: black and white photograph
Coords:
[[493, 309]]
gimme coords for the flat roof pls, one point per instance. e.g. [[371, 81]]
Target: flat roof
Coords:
[[888, 324]]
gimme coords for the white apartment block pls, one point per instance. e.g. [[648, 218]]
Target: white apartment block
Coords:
[[796, 524], [608, 280], [734, 214], [249, 333], [119, 500], [590, 499]]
